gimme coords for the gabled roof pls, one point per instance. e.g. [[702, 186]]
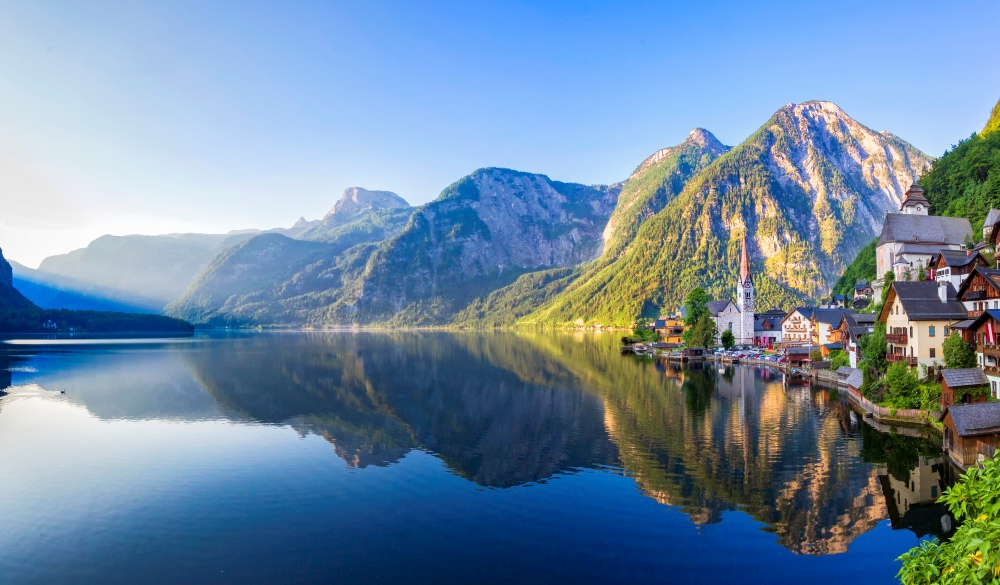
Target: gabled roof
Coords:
[[767, 323], [830, 316], [925, 249], [913, 196], [920, 301], [862, 318], [858, 324], [860, 303], [716, 307], [797, 351], [844, 370], [804, 311], [963, 377], [974, 419], [855, 379], [862, 284], [959, 258], [990, 275], [963, 324], [991, 218], [924, 229]]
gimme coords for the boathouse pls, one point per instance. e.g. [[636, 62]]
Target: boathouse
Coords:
[[971, 430], [963, 386]]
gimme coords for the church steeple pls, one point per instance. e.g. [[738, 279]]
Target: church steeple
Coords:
[[745, 264], [745, 297]]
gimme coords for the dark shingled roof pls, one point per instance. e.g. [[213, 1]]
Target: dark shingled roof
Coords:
[[862, 284], [830, 316], [957, 258], [844, 370], [974, 419], [991, 218], [921, 302], [860, 318], [856, 379], [964, 377], [924, 229], [716, 307], [797, 351], [963, 324]]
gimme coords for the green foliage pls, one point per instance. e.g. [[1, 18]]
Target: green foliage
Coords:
[[815, 355], [965, 182], [695, 306], [863, 267], [887, 279], [839, 358], [36, 321], [902, 387], [972, 554], [958, 353], [641, 333], [930, 397], [702, 334], [728, 339], [873, 348], [993, 124]]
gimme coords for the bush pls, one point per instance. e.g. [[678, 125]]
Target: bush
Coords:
[[971, 556], [958, 353], [839, 358], [902, 387]]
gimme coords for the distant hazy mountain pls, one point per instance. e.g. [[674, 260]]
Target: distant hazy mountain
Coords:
[[810, 188], [50, 291], [10, 298], [144, 271], [279, 280]]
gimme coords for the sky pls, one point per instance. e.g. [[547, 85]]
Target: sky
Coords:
[[176, 116]]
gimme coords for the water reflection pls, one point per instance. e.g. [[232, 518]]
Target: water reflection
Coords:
[[508, 409]]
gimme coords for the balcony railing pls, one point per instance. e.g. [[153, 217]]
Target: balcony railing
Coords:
[[992, 370], [974, 295], [896, 338], [898, 357], [990, 350]]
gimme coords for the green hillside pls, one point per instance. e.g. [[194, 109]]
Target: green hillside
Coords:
[[993, 123]]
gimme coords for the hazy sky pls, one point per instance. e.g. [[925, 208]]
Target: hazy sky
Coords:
[[131, 117]]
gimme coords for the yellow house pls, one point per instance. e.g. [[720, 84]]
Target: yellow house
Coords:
[[671, 329], [918, 318]]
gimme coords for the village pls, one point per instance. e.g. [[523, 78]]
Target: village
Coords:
[[917, 345]]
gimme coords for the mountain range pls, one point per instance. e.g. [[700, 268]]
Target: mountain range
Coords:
[[501, 247]]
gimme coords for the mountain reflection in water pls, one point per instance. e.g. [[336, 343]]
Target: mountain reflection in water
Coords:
[[508, 409]]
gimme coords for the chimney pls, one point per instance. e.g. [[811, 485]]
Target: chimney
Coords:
[[943, 290]]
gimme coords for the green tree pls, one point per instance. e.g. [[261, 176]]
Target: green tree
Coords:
[[873, 350], [902, 386], [702, 334], [695, 306], [972, 554], [839, 358], [728, 339], [958, 353], [887, 279]]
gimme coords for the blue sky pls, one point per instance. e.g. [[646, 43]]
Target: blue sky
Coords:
[[131, 117]]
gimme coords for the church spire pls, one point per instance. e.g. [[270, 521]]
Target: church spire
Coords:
[[745, 262]]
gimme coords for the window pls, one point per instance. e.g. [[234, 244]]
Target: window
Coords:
[[933, 491], [946, 332], [730, 325], [932, 352], [930, 331], [911, 330]]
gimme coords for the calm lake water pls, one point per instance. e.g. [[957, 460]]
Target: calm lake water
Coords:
[[439, 457]]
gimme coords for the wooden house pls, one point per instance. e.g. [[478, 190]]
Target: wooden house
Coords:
[[983, 333], [850, 330], [670, 329], [955, 265], [971, 430], [963, 386], [980, 291]]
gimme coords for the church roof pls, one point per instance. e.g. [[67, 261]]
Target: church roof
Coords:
[[991, 218], [914, 195], [924, 229], [716, 307]]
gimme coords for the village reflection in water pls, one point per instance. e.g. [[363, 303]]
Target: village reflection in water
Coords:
[[509, 409]]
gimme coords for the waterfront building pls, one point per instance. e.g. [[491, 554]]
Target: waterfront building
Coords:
[[971, 431], [852, 327], [737, 317], [918, 317], [962, 386], [670, 329], [796, 327], [823, 325]]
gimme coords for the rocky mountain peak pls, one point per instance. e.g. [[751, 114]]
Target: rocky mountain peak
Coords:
[[357, 201], [705, 139], [301, 222]]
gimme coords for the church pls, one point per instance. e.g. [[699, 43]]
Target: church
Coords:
[[737, 317]]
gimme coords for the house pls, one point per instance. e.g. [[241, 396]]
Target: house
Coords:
[[852, 327], [796, 356], [992, 218], [982, 333], [962, 385], [918, 317], [796, 327], [980, 291], [670, 329], [971, 430], [863, 290], [767, 328], [955, 265], [823, 325], [837, 302], [860, 303], [911, 237]]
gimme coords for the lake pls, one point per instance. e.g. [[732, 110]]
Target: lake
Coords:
[[429, 457]]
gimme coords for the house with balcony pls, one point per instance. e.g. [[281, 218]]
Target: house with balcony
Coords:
[[796, 327], [980, 291], [852, 327], [918, 317], [823, 325], [670, 329], [984, 334], [955, 266]]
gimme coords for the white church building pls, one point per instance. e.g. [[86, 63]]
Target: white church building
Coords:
[[737, 317]]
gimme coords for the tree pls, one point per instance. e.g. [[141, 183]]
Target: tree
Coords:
[[902, 386], [839, 358], [922, 273], [887, 279], [702, 334], [695, 306], [971, 556], [958, 353], [873, 350], [728, 339]]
